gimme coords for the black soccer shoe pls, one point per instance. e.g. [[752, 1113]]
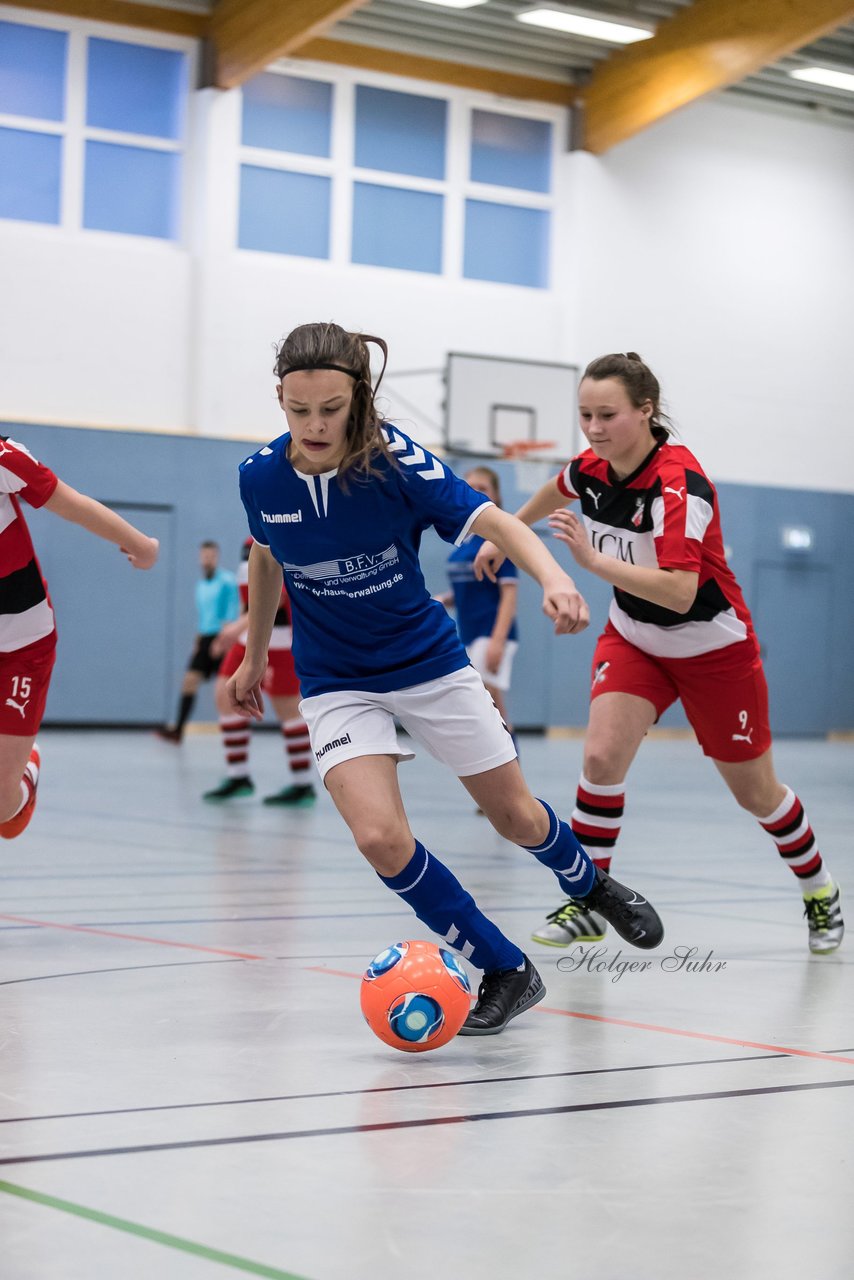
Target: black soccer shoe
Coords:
[[230, 789], [501, 996], [631, 916]]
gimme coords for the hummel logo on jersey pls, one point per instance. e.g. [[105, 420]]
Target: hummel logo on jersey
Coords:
[[329, 746], [282, 517], [10, 702], [592, 493], [680, 492]]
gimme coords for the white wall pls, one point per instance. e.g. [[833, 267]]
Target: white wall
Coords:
[[719, 245]]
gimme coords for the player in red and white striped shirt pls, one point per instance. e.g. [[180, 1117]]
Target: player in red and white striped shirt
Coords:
[[282, 687], [678, 628], [27, 626]]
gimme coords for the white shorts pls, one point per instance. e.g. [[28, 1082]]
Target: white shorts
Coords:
[[499, 679], [453, 717]]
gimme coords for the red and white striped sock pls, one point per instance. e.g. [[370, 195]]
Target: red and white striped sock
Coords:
[[789, 828], [298, 747], [235, 732], [597, 818]]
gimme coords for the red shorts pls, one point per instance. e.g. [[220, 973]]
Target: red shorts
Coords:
[[24, 682], [280, 679], [724, 692]]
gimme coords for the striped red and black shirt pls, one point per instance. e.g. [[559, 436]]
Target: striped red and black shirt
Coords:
[[664, 515], [26, 615]]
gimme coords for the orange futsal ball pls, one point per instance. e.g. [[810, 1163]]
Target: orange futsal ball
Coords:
[[415, 996]]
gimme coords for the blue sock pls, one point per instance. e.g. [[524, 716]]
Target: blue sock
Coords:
[[562, 854], [440, 901]]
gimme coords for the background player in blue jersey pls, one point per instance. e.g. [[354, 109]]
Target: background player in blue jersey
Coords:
[[678, 627], [486, 611], [340, 503]]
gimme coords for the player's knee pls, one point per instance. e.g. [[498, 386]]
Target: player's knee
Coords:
[[383, 844], [599, 767], [519, 823]]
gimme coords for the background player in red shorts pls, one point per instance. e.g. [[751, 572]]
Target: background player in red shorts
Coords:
[[281, 685], [678, 628], [27, 626]]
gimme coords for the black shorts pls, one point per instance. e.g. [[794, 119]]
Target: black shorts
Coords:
[[202, 660]]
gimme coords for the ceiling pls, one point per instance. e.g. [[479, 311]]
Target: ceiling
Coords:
[[490, 36]]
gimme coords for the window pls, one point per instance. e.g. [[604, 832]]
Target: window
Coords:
[[285, 113], [367, 175], [103, 151], [283, 212]]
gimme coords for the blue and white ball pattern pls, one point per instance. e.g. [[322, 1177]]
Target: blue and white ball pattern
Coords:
[[386, 960], [455, 969], [415, 1017]]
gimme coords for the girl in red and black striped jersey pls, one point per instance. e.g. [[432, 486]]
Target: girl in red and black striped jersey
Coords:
[[281, 684], [678, 628], [27, 627]]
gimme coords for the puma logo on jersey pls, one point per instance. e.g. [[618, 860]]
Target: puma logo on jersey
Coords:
[[591, 493], [10, 702], [680, 492], [601, 668], [743, 737]]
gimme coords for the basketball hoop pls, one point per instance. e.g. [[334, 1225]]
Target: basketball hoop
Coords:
[[517, 449]]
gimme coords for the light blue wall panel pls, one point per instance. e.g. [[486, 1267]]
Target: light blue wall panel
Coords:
[[32, 71], [283, 212], [130, 665], [30, 175], [136, 88], [400, 132], [132, 190], [287, 113], [396, 228]]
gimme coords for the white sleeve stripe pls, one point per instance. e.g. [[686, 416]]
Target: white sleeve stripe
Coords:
[[698, 518], [464, 532]]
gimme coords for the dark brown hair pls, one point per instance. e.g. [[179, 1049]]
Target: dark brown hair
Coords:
[[640, 382], [492, 477], [319, 346]]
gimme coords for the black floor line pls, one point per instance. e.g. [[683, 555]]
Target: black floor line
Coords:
[[425, 1123], [124, 968], [402, 1088]]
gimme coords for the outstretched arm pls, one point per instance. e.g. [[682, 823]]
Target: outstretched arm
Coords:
[[562, 601], [93, 515], [549, 498], [265, 590]]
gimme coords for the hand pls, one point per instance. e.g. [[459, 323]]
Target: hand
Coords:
[[488, 561], [563, 603], [569, 529], [494, 654], [243, 690], [145, 556]]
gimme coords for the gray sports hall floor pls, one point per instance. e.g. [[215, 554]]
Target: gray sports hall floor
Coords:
[[187, 1088]]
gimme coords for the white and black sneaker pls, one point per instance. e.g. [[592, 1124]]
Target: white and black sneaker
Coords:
[[501, 996], [823, 910], [571, 922], [631, 916]]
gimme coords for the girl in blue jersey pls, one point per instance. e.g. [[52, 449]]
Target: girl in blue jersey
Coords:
[[678, 628], [339, 502], [486, 611]]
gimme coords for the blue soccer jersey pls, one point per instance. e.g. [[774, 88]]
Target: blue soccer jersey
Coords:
[[363, 617], [477, 602]]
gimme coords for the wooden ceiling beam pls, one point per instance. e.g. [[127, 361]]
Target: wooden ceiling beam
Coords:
[[708, 46], [149, 17], [504, 83], [248, 35]]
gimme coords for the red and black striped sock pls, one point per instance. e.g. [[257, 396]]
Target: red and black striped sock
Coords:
[[235, 732], [298, 747], [597, 819], [790, 829]]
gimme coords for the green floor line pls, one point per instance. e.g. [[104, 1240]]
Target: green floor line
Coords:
[[148, 1233]]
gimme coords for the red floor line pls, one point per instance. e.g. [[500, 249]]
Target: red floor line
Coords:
[[133, 937], [649, 1026]]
